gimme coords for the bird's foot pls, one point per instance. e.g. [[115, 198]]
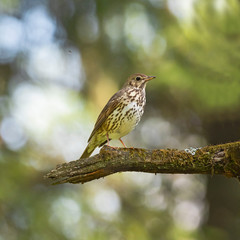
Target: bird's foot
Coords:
[[112, 146]]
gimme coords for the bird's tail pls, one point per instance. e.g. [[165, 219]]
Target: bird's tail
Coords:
[[88, 151]]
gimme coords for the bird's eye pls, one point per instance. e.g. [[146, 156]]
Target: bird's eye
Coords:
[[138, 78]]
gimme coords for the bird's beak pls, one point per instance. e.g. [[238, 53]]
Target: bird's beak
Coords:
[[149, 78]]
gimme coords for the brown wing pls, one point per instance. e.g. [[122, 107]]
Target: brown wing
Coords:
[[107, 110]]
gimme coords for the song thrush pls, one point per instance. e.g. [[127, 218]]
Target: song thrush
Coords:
[[121, 114]]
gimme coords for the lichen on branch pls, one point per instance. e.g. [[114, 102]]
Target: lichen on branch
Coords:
[[221, 159]]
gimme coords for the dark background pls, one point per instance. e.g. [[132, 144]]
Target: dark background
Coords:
[[61, 60]]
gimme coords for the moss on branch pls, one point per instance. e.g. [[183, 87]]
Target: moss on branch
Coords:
[[221, 159]]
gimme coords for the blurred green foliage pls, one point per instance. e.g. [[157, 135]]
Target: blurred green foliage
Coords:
[[60, 61]]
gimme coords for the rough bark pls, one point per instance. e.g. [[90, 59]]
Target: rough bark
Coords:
[[221, 159]]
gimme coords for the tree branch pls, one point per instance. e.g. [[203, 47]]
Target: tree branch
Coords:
[[221, 159]]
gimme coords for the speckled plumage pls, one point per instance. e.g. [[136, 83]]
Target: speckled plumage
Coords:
[[121, 114]]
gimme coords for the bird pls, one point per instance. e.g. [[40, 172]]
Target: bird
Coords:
[[121, 114]]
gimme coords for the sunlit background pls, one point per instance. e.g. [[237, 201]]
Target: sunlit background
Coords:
[[60, 61]]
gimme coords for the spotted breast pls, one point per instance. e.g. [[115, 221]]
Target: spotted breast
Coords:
[[127, 115]]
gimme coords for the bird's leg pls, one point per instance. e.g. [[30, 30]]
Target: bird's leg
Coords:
[[122, 142], [108, 140]]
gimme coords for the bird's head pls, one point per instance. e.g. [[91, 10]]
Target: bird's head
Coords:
[[138, 80]]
